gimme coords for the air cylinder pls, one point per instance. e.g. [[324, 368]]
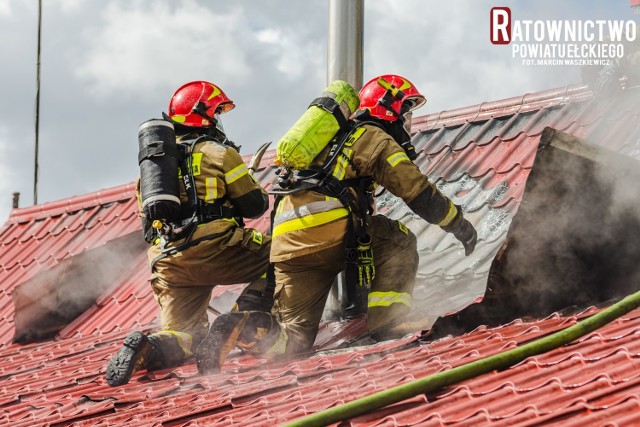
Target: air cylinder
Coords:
[[159, 158], [316, 127]]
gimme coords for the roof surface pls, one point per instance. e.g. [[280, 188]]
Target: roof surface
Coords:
[[481, 157]]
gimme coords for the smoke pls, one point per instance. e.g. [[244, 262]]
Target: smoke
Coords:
[[572, 241], [623, 181], [50, 300]]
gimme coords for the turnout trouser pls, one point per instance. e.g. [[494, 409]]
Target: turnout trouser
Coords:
[[303, 284], [182, 284]]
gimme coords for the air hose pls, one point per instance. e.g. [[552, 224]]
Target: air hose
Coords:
[[436, 381]]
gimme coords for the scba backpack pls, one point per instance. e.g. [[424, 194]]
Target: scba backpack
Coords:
[[311, 133], [159, 159]]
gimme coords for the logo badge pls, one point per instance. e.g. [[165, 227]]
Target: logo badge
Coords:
[[500, 25]]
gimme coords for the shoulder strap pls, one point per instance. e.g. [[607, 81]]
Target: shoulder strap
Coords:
[[187, 172], [159, 148], [330, 105], [337, 143]]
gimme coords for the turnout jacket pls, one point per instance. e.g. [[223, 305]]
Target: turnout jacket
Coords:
[[307, 221], [220, 176]]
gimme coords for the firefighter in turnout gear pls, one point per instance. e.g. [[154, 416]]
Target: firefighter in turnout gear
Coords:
[[321, 230], [206, 244]]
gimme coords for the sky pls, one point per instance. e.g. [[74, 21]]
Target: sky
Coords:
[[109, 65]]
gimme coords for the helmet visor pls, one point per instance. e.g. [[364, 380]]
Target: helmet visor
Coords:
[[218, 123], [407, 117], [227, 106]]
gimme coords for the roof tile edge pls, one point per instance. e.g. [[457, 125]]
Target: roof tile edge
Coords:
[[499, 108], [73, 204]]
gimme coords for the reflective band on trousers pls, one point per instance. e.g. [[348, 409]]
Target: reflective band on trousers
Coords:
[[280, 345], [385, 299], [307, 216]]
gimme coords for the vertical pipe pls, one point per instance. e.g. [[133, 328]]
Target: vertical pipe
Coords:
[[37, 125], [345, 41], [344, 62]]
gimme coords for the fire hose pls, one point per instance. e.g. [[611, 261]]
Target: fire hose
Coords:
[[498, 361]]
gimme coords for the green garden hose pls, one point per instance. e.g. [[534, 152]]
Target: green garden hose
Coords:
[[436, 381]]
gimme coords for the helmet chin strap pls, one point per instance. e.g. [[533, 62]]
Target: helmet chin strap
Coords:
[[201, 110], [215, 130]]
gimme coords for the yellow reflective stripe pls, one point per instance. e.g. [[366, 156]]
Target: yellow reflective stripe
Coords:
[[343, 161], [453, 211], [280, 206], [256, 236], [211, 185], [385, 299], [280, 345], [354, 137], [403, 228], [236, 173], [306, 210], [394, 90], [396, 158], [308, 221], [215, 92], [196, 161]]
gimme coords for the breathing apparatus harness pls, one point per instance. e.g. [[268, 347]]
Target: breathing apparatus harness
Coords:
[[359, 268], [192, 213]]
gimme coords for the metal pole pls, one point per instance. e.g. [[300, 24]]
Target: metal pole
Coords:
[[35, 177], [344, 62], [344, 53]]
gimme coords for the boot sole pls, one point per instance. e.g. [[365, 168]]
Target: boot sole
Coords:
[[127, 360], [220, 340]]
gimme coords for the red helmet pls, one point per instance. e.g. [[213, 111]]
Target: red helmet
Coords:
[[198, 104], [385, 95]]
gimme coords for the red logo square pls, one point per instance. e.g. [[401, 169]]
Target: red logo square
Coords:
[[500, 25]]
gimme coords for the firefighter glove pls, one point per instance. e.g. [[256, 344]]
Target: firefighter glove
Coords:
[[366, 267], [464, 231]]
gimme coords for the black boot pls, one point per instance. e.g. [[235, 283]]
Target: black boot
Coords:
[[254, 300], [138, 352], [243, 329]]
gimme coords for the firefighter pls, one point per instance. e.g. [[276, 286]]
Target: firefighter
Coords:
[[311, 230], [618, 73], [217, 250]]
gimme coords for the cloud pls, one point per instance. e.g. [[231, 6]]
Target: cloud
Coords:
[[68, 6], [292, 57], [4, 158], [141, 46], [109, 65], [444, 49], [5, 7], [7, 178]]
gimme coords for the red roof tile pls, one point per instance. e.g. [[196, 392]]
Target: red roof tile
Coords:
[[481, 156]]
